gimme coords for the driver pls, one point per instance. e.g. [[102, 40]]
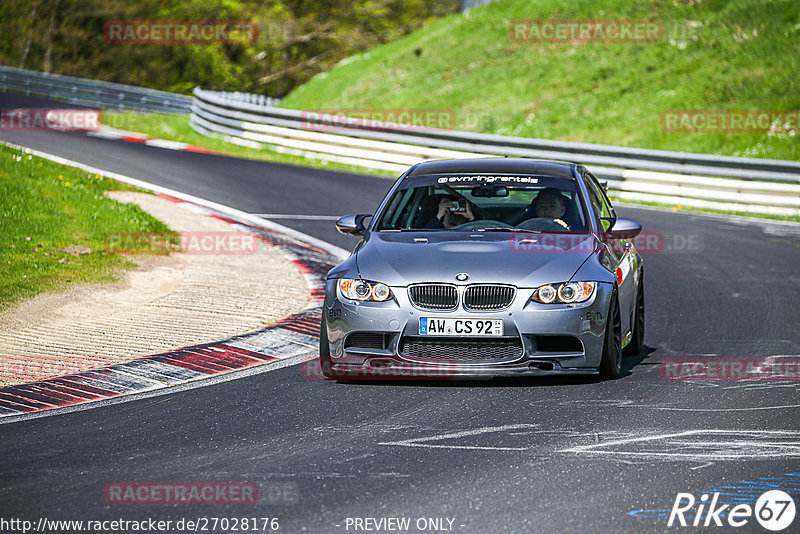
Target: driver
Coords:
[[446, 217], [550, 204]]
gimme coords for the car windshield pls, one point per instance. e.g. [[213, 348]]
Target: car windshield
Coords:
[[543, 204]]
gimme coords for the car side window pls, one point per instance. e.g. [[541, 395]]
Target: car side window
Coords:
[[604, 197], [392, 218], [602, 207]]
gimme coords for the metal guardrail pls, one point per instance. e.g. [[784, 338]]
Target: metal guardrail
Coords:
[[92, 93], [699, 180], [236, 97]]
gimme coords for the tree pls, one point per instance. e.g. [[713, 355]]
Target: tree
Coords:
[[296, 39]]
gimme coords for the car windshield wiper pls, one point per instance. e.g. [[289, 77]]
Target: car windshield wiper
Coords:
[[500, 229], [497, 229], [402, 230]]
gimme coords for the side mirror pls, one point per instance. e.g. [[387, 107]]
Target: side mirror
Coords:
[[352, 224], [624, 229]]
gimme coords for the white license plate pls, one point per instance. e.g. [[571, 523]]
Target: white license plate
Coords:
[[435, 326]]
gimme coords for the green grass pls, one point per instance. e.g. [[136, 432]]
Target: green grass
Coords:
[[53, 226], [177, 128], [716, 54]]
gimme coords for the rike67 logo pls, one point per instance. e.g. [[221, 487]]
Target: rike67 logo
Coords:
[[774, 510]]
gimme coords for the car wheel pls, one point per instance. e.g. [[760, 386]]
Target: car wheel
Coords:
[[611, 362], [637, 336], [325, 362]]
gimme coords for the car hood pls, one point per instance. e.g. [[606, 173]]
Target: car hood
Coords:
[[521, 259]]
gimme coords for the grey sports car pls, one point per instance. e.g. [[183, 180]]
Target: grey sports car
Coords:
[[486, 267]]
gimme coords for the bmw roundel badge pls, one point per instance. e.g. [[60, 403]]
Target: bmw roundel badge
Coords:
[[462, 277]]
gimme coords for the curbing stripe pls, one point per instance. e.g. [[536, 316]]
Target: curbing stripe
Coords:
[[29, 395], [278, 341], [12, 408], [164, 372], [10, 400], [146, 373], [69, 390], [89, 389], [106, 132], [103, 381], [45, 395], [111, 376], [308, 324], [58, 392], [190, 360], [112, 390]]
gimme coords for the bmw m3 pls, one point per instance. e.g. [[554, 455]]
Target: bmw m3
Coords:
[[486, 267]]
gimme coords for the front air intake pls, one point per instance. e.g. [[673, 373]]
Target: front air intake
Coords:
[[434, 296], [488, 297]]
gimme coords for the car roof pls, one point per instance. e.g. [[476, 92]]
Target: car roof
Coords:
[[560, 169]]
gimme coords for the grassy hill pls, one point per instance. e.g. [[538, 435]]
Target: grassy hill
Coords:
[[714, 55]]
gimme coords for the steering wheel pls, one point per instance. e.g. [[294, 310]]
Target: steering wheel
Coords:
[[541, 223], [483, 223]]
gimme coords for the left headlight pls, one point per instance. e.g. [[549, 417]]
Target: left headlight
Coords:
[[364, 290], [565, 293]]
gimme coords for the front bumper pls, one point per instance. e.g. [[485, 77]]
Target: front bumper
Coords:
[[396, 369], [550, 339]]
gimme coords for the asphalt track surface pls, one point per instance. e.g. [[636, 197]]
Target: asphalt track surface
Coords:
[[538, 455]]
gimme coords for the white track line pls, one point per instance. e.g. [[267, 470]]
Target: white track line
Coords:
[[303, 217]]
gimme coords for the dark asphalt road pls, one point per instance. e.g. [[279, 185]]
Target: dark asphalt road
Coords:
[[538, 455]]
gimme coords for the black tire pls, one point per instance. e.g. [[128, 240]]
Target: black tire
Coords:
[[637, 335], [611, 362], [325, 362]]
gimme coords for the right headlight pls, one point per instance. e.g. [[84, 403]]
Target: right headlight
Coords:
[[357, 289], [564, 293]]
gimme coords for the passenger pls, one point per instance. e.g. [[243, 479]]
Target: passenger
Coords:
[[446, 217]]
